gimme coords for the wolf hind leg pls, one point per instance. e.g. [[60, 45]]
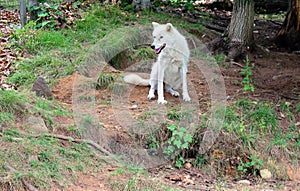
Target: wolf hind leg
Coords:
[[171, 91]]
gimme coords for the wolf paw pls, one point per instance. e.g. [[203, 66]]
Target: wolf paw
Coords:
[[151, 96], [186, 98], [172, 92], [162, 101], [175, 93]]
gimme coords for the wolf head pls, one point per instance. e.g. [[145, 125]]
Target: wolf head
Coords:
[[162, 36]]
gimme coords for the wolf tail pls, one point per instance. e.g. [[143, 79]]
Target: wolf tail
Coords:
[[136, 80]]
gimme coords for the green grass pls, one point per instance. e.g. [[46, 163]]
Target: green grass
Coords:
[[135, 179], [43, 160], [257, 127], [10, 101], [250, 120], [11, 105]]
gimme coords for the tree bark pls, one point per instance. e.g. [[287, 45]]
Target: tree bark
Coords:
[[23, 12], [289, 34], [240, 32]]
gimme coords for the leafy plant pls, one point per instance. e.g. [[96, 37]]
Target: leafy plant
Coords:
[[220, 59], [104, 80], [262, 117], [178, 142], [46, 15], [247, 81], [174, 114], [252, 166]]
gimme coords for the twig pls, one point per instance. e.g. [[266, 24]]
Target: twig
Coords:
[[235, 63], [28, 185]]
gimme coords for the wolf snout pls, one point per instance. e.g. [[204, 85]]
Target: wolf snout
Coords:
[[153, 46]]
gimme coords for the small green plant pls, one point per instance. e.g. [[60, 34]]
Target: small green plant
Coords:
[[174, 114], [104, 80], [188, 5], [178, 142], [247, 81], [252, 166], [46, 15], [145, 53], [297, 108], [200, 160], [220, 59], [262, 117]]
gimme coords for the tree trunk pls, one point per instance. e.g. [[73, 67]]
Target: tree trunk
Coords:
[[289, 34], [240, 32], [23, 12]]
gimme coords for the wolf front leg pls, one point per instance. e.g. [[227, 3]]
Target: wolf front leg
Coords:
[[153, 84], [160, 83], [153, 80], [185, 94]]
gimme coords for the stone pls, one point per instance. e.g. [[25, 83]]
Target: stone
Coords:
[[265, 174], [188, 165], [245, 182], [41, 88], [35, 124]]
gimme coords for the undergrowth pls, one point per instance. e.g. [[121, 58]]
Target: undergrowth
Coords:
[[42, 160]]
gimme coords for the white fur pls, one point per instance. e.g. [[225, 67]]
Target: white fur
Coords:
[[136, 80], [171, 65]]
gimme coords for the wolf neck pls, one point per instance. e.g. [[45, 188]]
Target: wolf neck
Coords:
[[175, 51]]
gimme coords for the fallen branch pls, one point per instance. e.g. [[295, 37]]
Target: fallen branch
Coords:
[[235, 63], [27, 184], [207, 25]]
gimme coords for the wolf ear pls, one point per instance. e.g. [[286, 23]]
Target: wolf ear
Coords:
[[169, 27], [155, 24]]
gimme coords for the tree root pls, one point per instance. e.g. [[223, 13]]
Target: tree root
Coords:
[[27, 184], [71, 139]]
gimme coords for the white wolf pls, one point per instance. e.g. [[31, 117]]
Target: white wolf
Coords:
[[171, 65]]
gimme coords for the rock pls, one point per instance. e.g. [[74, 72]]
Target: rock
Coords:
[[41, 88], [188, 165], [35, 124], [134, 107], [265, 174], [246, 182]]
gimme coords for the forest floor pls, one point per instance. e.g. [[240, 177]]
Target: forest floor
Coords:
[[276, 80]]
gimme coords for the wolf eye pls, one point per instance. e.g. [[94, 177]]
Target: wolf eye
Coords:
[[154, 36], [161, 37]]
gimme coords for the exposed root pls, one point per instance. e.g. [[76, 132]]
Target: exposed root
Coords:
[[71, 139], [27, 184]]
